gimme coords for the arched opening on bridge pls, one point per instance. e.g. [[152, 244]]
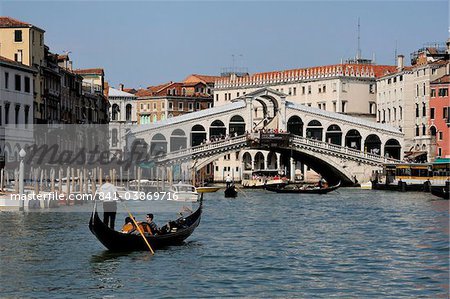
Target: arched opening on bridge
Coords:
[[178, 140], [314, 130], [259, 161], [158, 145], [237, 125], [392, 149], [247, 160], [128, 112], [372, 144], [272, 160], [295, 125], [198, 135], [353, 139], [115, 110], [217, 129], [334, 135]]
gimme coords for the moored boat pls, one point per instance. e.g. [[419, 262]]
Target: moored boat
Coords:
[[206, 189], [175, 232], [306, 190]]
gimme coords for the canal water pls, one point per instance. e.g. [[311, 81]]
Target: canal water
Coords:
[[351, 243]]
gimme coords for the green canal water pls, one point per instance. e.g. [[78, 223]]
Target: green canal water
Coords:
[[348, 244]]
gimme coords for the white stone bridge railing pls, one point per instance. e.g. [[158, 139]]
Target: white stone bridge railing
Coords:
[[204, 150], [313, 144], [236, 143]]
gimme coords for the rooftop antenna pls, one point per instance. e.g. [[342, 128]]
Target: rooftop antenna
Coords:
[[358, 53], [395, 52]]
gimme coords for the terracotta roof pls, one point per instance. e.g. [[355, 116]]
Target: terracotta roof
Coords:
[[201, 78], [143, 93], [63, 57], [97, 71], [4, 59], [8, 22], [130, 90], [442, 80]]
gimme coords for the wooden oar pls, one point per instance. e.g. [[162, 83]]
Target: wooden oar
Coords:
[[139, 229], [245, 194]]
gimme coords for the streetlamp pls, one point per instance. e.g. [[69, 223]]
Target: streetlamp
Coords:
[[22, 155]]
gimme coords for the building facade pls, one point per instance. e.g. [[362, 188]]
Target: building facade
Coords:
[[439, 122], [403, 101], [348, 88], [16, 108]]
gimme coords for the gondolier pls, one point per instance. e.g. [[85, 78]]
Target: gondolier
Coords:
[[108, 194]]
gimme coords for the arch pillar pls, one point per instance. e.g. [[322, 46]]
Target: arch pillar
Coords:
[[282, 122]]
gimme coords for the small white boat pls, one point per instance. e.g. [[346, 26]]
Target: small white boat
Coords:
[[366, 186], [184, 192]]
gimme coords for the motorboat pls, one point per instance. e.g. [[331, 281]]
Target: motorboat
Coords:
[[183, 192]]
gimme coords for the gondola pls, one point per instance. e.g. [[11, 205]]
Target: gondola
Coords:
[[117, 241], [440, 191], [231, 191], [306, 191]]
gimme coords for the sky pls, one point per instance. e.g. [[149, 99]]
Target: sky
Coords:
[[147, 43]]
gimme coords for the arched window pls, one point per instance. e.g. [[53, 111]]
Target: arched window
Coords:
[[295, 125], [128, 109], [237, 125]]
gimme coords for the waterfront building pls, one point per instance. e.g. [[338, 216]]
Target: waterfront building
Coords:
[[348, 88], [172, 99], [439, 122], [16, 112], [403, 100], [94, 107], [24, 43], [123, 115]]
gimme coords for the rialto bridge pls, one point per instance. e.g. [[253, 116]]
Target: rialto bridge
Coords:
[[337, 146]]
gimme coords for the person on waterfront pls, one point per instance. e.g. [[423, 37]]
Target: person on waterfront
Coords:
[[109, 196], [153, 227], [228, 181]]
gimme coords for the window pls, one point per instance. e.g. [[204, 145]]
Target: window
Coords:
[[17, 36], [290, 91], [170, 106], [180, 106], [217, 97], [433, 93], [344, 106], [424, 129], [423, 89], [400, 115], [27, 110], [6, 113], [6, 80], [197, 106], [18, 56], [142, 106], [0, 115], [303, 89], [18, 86], [417, 89], [441, 136], [431, 113], [424, 109], [191, 106], [154, 106], [163, 105], [371, 88], [324, 88], [401, 78], [27, 84], [443, 92], [237, 94], [417, 110], [417, 130], [309, 89], [295, 90], [439, 151], [17, 115]]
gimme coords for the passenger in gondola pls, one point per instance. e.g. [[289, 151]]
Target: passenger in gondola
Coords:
[[152, 225], [129, 226]]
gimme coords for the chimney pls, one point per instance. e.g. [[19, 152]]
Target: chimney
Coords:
[[121, 87], [70, 64], [400, 62]]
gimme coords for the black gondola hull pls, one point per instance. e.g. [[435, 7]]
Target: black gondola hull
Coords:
[[303, 191], [117, 241]]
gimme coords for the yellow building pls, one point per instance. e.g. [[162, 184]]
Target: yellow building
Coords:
[[24, 43]]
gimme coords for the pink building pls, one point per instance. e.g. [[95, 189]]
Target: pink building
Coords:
[[439, 121]]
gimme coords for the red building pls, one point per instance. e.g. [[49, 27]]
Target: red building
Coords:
[[439, 121]]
